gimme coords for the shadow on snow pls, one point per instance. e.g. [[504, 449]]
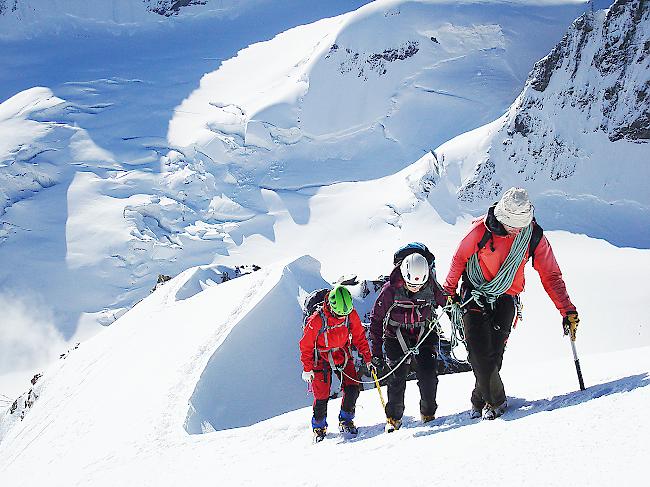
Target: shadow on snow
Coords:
[[518, 408]]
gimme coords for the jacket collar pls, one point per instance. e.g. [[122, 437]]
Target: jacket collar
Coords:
[[328, 313], [494, 225]]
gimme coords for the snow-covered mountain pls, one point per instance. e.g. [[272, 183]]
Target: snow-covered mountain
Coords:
[[361, 95], [80, 156], [257, 174], [577, 136], [114, 172], [35, 17]]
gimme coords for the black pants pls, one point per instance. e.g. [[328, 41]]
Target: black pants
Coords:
[[486, 332], [425, 370]]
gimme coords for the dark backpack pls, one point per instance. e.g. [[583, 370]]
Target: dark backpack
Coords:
[[538, 233], [412, 248], [313, 302]]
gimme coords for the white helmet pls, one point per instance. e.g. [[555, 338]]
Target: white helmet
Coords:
[[415, 269]]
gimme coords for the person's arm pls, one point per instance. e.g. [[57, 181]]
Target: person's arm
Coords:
[[308, 341], [465, 249], [377, 315], [549, 272], [359, 337], [440, 296]]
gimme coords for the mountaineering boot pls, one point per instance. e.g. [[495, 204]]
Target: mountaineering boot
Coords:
[[393, 424], [493, 412], [475, 413], [320, 429], [428, 418], [348, 427], [346, 423], [319, 434]]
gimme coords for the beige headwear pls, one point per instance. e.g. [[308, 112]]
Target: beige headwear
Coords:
[[514, 208]]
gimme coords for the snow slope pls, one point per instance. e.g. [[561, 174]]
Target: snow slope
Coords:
[[361, 95], [115, 411], [80, 147]]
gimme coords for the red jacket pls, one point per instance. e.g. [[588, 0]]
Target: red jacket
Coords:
[[491, 257], [336, 337]]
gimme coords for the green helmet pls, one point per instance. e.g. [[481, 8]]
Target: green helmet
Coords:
[[340, 300]]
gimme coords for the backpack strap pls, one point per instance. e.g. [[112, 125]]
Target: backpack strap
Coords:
[[323, 331], [487, 235], [538, 233]]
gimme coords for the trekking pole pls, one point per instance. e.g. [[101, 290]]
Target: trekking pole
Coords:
[[577, 363], [381, 396]]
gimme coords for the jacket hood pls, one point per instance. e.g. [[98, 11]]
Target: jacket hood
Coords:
[[494, 225], [396, 280]]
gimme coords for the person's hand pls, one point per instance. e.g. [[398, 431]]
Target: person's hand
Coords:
[[377, 365], [308, 376], [570, 324]]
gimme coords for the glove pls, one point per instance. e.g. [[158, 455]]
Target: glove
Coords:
[[377, 365], [308, 376], [570, 324]]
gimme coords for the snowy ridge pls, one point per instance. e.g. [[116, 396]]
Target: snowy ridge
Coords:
[[577, 135], [114, 411]]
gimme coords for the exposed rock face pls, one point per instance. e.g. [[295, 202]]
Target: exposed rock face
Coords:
[[615, 51], [6, 5], [360, 63], [595, 81], [170, 7]]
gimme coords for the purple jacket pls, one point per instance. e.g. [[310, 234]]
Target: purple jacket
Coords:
[[427, 298]]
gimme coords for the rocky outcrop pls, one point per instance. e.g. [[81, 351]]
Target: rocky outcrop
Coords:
[[361, 63], [168, 8], [594, 82], [614, 51]]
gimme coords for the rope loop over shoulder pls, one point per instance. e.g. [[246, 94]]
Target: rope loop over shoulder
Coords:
[[488, 291]]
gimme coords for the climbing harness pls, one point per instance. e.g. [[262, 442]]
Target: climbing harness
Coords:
[[431, 325], [398, 325], [324, 329]]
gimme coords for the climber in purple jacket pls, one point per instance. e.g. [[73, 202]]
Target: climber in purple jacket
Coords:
[[400, 318]]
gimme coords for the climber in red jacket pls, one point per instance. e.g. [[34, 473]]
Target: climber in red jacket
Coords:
[[325, 348], [491, 260]]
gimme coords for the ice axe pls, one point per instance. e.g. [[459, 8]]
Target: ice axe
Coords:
[[381, 396], [570, 324], [576, 361]]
